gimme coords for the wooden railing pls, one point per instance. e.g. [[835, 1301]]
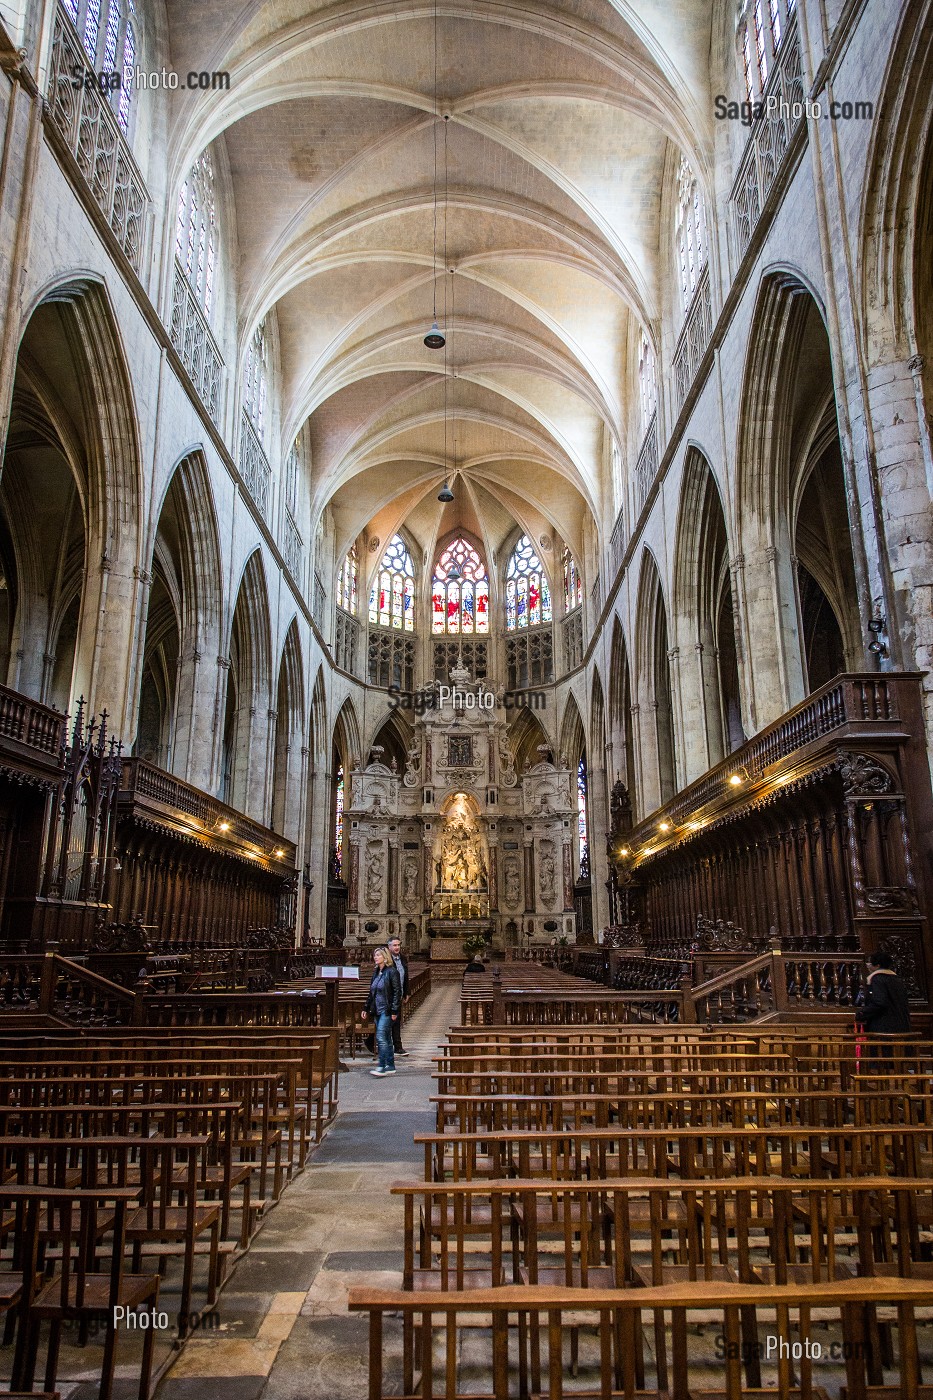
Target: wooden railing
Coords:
[[204, 815], [775, 982], [47, 984], [27, 722], [856, 699]]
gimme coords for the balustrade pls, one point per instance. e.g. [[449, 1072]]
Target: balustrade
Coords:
[[770, 137], [292, 548], [646, 466], [28, 722], [694, 338], [196, 346], [254, 465]]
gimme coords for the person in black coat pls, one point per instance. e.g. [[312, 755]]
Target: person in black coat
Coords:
[[382, 1006], [885, 1009], [401, 966]]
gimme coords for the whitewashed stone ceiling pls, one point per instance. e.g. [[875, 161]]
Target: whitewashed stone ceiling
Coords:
[[559, 120]]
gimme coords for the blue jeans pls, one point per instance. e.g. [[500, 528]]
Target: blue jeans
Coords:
[[384, 1041]]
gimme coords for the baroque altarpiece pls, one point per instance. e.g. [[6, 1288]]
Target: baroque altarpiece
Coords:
[[458, 843]]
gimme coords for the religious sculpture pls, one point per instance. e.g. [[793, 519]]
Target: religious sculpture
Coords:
[[548, 875], [375, 870], [513, 888], [410, 881], [413, 763]]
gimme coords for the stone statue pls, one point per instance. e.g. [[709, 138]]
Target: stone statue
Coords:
[[513, 886], [508, 776], [413, 763], [375, 871], [410, 881], [548, 876]]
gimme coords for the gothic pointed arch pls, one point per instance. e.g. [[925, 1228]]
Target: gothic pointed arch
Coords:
[[347, 735], [621, 718], [246, 762], [289, 744], [572, 740], [656, 691], [703, 607], [527, 739], [788, 436], [72, 392], [179, 672]]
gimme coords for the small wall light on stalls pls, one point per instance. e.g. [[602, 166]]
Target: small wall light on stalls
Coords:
[[740, 776]]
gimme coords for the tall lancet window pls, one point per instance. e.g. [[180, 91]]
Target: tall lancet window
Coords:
[[392, 598], [338, 822], [348, 581], [647, 383], [761, 29], [691, 233], [527, 594], [107, 32], [196, 230], [583, 844], [460, 591], [256, 380], [573, 583]]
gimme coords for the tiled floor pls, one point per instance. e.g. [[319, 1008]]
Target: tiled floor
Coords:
[[283, 1329]]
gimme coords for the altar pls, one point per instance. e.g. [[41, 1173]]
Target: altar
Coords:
[[460, 842], [447, 940]]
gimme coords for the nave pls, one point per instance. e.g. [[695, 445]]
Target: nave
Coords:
[[555, 1203]]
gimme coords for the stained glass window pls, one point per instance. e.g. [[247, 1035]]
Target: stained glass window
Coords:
[[761, 33], [583, 845], [460, 591], [347, 581], [691, 249], [108, 40], [527, 595], [126, 87], [573, 583], [647, 382], [392, 597], [338, 823], [196, 229]]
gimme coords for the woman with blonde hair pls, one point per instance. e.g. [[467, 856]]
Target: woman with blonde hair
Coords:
[[382, 1007]]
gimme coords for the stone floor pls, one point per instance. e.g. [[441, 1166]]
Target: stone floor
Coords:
[[283, 1329]]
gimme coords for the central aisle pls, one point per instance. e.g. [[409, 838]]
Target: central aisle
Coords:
[[285, 1333]]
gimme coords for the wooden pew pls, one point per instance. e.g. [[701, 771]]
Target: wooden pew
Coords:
[[618, 1316], [688, 1152], [76, 1287]]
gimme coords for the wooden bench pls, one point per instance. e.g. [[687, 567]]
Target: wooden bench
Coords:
[[617, 1314], [76, 1283]]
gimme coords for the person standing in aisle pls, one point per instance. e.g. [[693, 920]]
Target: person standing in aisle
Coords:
[[401, 967], [383, 1006]]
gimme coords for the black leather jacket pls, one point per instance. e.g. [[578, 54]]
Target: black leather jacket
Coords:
[[393, 994]]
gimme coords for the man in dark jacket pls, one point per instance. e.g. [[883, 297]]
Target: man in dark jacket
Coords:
[[885, 1009], [401, 967]]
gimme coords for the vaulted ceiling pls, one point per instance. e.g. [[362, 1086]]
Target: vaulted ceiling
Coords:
[[538, 132]]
